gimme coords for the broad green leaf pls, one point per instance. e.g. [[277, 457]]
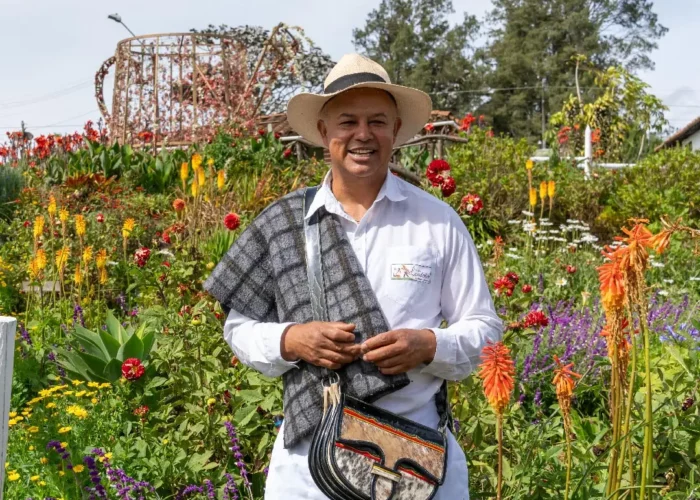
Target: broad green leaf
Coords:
[[111, 344], [113, 370], [91, 342], [675, 353], [197, 461], [133, 348], [148, 341], [115, 328], [72, 362], [96, 365], [248, 417]]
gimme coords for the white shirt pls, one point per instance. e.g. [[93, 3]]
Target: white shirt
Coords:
[[423, 267]]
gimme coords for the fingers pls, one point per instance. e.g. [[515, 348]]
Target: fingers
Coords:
[[337, 334], [332, 359], [342, 326], [380, 340], [395, 370], [382, 354]]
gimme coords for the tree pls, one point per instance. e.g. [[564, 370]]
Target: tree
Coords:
[[306, 68], [414, 41], [533, 43]]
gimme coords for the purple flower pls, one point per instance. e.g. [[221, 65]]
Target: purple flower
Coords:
[[78, 316], [25, 335], [236, 449], [230, 490]]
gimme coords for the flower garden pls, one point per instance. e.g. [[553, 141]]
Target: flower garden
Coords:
[[123, 386]]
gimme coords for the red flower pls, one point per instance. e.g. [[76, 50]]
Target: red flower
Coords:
[[161, 278], [433, 172], [141, 411], [132, 369], [429, 127], [467, 122], [471, 204], [232, 221], [504, 285], [166, 263], [287, 153], [100, 218], [535, 318], [570, 269], [179, 205], [277, 135], [141, 256], [261, 132], [27, 223], [145, 136], [513, 278], [166, 237], [526, 288], [448, 187]]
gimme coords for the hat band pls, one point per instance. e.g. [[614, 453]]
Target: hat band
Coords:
[[353, 79]]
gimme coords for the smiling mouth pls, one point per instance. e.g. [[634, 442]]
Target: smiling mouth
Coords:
[[361, 153]]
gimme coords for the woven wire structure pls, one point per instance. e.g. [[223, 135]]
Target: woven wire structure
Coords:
[[178, 88]]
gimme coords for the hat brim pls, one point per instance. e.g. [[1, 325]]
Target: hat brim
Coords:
[[414, 109]]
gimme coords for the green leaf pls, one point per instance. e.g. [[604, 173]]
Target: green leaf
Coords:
[[91, 342], [96, 365], [72, 362], [113, 370], [110, 343], [133, 348], [197, 461], [248, 417], [148, 341], [675, 353], [114, 327]]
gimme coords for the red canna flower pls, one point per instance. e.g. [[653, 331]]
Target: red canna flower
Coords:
[[232, 221], [448, 187], [497, 370], [132, 369], [527, 288]]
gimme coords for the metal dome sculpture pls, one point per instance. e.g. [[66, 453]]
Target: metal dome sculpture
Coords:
[[178, 88]]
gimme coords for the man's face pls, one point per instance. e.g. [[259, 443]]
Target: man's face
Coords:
[[359, 128]]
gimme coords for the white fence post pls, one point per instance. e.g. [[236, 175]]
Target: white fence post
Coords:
[[588, 153], [7, 359]]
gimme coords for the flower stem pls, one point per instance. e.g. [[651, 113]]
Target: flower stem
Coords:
[[647, 455], [568, 463], [499, 431], [627, 446]]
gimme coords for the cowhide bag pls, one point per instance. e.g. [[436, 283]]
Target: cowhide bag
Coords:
[[360, 451]]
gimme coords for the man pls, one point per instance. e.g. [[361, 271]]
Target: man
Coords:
[[393, 255]]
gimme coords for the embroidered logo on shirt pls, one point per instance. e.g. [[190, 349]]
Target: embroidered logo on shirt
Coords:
[[411, 272]]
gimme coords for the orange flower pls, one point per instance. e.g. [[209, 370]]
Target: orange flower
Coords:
[[563, 379], [543, 190], [497, 371], [533, 197], [659, 242], [551, 187], [179, 205], [612, 289]]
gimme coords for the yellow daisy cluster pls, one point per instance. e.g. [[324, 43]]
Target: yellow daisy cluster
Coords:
[[78, 411], [64, 429], [12, 475]]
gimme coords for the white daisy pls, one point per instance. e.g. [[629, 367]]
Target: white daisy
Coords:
[[561, 282]]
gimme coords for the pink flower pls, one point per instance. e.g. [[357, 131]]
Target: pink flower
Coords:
[[141, 256], [232, 221]]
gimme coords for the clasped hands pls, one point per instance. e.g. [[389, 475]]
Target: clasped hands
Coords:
[[332, 345]]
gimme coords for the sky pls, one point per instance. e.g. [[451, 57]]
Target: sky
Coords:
[[52, 49]]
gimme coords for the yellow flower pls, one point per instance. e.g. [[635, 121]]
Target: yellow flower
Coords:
[[65, 429], [61, 473], [101, 258], [93, 384], [52, 205], [201, 178], [165, 441], [543, 190], [51, 405], [128, 226], [63, 215], [13, 414], [105, 385], [220, 179], [211, 401], [31, 448], [87, 254], [78, 468], [34, 478], [13, 476], [533, 197], [103, 275], [41, 258], [19, 419], [195, 189], [529, 164], [210, 265], [42, 483], [80, 225], [550, 188], [64, 444], [43, 460], [196, 161], [210, 162], [38, 226], [94, 401], [80, 394], [77, 276], [12, 422], [106, 456], [62, 258], [184, 171], [67, 393], [77, 411], [33, 429]]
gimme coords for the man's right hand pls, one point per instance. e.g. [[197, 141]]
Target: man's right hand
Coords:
[[329, 345]]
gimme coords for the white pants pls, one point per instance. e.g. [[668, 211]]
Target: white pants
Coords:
[[289, 477]]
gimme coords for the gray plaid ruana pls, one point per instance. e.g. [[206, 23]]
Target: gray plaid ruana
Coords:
[[263, 276]]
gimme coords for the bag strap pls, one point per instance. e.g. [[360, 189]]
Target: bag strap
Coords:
[[314, 265]]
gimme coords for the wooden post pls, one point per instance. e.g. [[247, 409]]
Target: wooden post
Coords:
[[7, 359]]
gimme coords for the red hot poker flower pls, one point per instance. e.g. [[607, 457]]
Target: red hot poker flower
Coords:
[[497, 371]]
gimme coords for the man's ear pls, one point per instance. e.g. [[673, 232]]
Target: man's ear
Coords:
[[321, 126], [397, 127]]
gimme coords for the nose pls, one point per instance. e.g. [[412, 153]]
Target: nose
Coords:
[[363, 132]]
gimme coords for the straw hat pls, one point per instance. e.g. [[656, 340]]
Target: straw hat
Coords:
[[351, 72]]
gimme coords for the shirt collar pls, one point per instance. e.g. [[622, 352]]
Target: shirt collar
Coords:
[[391, 189]]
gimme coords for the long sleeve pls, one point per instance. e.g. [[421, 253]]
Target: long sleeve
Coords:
[[467, 307], [257, 344]]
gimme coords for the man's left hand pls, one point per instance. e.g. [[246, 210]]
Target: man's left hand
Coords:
[[398, 351]]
